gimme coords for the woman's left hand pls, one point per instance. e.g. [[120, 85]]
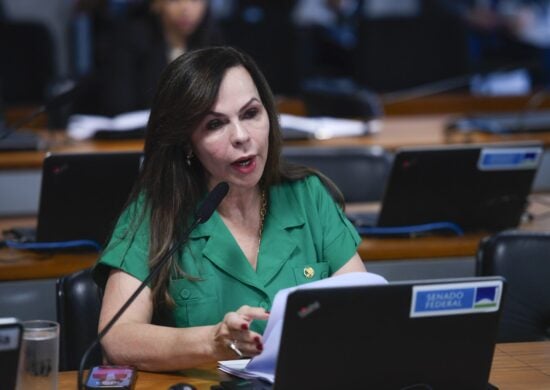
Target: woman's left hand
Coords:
[[233, 338]]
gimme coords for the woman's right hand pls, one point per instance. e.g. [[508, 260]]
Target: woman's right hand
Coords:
[[233, 334]]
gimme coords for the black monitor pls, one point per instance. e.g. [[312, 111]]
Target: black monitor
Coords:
[[477, 187]]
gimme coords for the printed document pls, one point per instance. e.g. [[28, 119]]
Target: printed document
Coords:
[[263, 365]]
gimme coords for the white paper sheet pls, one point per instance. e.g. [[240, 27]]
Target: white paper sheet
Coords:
[[263, 365]]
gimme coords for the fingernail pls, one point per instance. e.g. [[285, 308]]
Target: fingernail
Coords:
[[244, 326], [257, 339], [268, 312], [260, 347]]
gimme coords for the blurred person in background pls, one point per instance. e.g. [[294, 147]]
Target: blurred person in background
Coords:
[[506, 33], [144, 44]]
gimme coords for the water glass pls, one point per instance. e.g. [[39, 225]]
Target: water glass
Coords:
[[39, 364]]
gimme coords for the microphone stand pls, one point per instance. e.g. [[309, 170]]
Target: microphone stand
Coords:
[[29, 140], [212, 201]]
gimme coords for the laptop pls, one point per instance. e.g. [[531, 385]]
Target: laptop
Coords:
[[470, 187], [408, 335], [11, 332], [504, 123], [82, 195], [429, 334]]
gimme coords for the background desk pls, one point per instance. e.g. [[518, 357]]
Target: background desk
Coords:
[[396, 131], [427, 257], [25, 265], [21, 170], [30, 276], [518, 366]]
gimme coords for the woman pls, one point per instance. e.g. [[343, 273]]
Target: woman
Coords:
[[213, 119], [143, 46]]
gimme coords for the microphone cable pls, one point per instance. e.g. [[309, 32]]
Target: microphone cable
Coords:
[[53, 245], [410, 230]]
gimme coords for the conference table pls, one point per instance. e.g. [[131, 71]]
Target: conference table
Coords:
[[25, 265], [516, 366], [395, 132]]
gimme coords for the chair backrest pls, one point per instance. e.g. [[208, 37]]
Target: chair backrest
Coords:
[[30, 69], [523, 259], [78, 307], [397, 53], [360, 173]]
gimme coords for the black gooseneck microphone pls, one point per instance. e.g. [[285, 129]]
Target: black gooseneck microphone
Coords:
[[13, 138], [65, 96], [205, 211]]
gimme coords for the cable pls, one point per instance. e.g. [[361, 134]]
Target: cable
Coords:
[[413, 229], [53, 245]]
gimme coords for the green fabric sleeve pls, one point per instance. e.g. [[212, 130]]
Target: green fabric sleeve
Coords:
[[128, 247], [340, 238]]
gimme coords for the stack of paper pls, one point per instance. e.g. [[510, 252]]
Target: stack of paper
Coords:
[[263, 365], [327, 127], [86, 126]]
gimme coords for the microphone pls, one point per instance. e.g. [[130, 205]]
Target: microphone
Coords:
[[205, 211], [13, 139], [67, 93]]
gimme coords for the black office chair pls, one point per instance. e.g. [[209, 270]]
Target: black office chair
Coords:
[[523, 258], [360, 173], [28, 65], [78, 306], [341, 99]]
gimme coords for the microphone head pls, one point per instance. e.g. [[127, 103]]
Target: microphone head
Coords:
[[213, 199], [63, 93]]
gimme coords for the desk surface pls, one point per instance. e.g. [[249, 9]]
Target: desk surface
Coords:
[[517, 366], [395, 132], [19, 265]]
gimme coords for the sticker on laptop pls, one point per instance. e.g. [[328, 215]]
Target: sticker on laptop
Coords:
[[494, 159], [455, 298]]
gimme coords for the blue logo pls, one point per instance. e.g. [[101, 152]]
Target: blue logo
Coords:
[[486, 297], [458, 298]]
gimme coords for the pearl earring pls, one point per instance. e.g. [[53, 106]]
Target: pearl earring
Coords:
[[188, 158]]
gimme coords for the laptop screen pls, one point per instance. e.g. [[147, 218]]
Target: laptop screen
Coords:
[[477, 187], [82, 194], [409, 335]]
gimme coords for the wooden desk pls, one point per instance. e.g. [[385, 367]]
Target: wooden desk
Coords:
[[443, 103], [395, 132], [516, 366], [438, 246], [23, 265]]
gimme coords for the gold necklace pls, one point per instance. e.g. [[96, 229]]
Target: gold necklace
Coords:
[[263, 211]]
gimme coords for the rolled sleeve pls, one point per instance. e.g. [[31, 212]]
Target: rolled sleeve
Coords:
[[127, 250]]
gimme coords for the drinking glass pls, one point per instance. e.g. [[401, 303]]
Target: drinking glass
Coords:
[[39, 363]]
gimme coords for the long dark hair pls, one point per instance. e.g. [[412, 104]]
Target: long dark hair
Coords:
[[170, 187]]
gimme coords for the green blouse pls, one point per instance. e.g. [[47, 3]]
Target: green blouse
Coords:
[[306, 237]]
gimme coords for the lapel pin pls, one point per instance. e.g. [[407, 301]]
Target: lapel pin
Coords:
[[309, 272]]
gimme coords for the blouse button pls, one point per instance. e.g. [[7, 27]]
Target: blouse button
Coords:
[[324, 274], [185, 293]]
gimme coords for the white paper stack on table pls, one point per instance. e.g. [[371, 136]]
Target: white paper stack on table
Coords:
[[263, 365], [327, 127], [82, 127]]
